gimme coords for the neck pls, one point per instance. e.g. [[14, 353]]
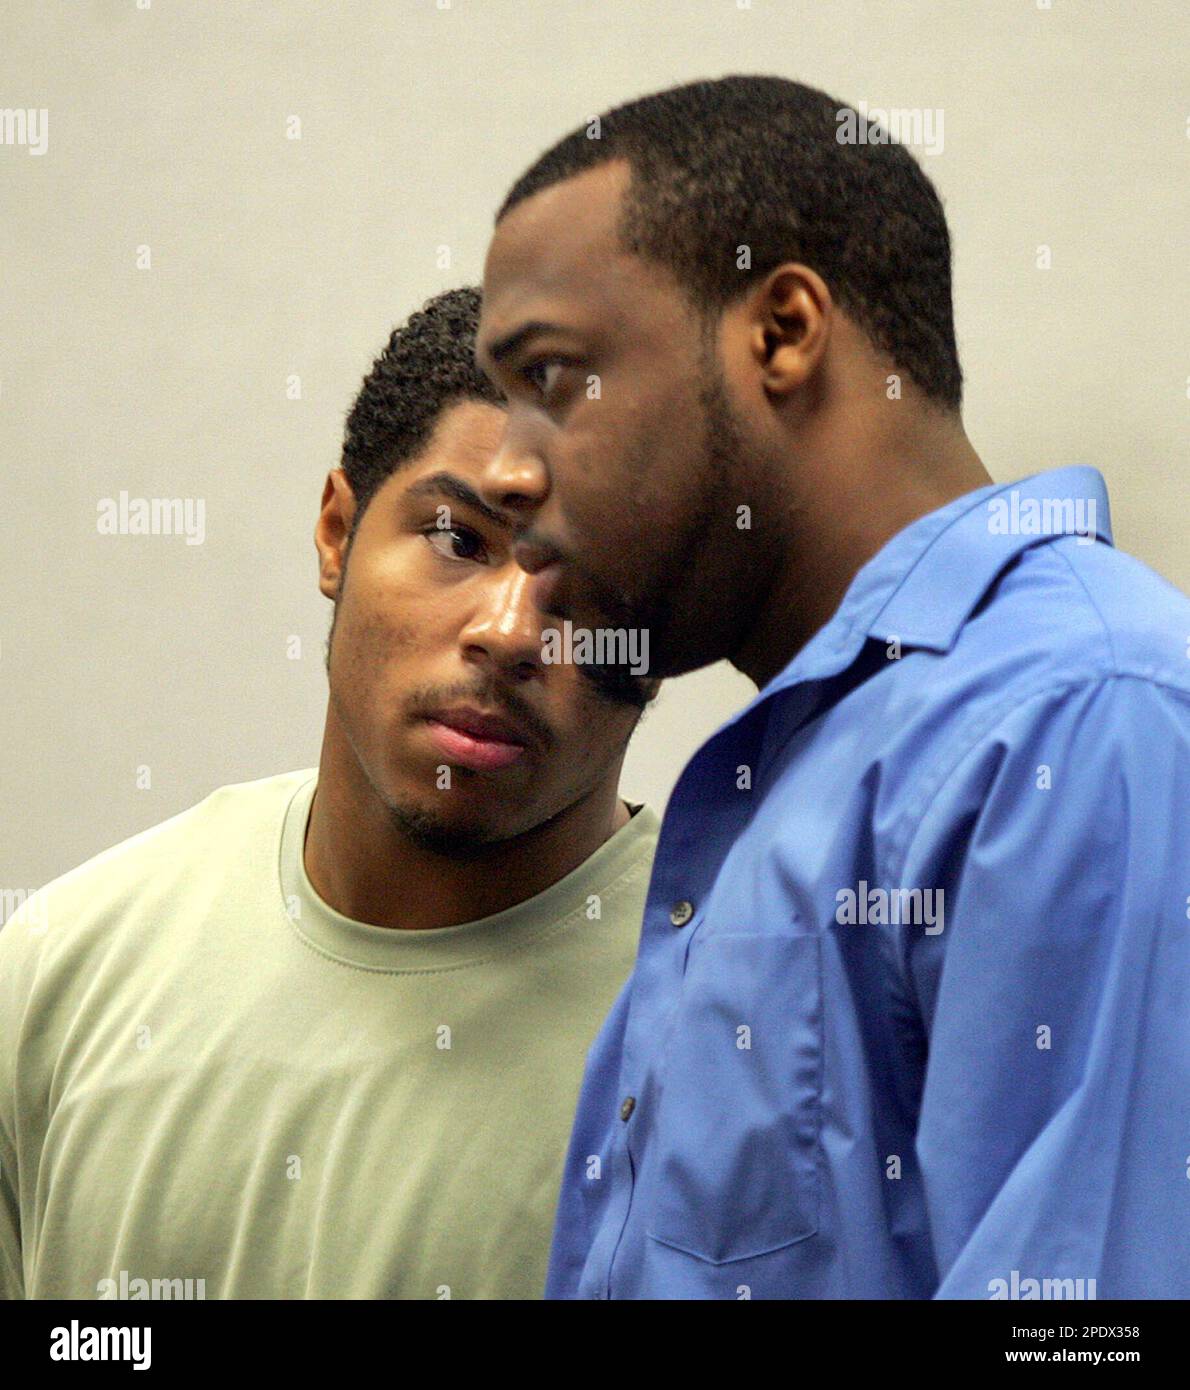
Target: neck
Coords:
[[366, 867], [842, 506]]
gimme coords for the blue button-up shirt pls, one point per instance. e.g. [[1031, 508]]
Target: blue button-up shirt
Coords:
[[927, 1030]]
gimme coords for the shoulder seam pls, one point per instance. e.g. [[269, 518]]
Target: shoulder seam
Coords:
[[1111, 646]]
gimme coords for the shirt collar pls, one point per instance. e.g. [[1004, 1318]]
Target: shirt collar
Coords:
[[924, 583], [974, 538]]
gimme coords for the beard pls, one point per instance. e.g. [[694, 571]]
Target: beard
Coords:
[[679, 615], [435, 834]]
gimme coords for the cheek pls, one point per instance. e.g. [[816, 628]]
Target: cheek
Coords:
[[592, 731], [375, 630], [595, 472], [629, 456]]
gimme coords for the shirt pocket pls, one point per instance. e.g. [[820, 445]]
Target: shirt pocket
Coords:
[[739, 1115]]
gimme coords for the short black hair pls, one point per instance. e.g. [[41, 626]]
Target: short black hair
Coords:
[[757, 161], [428, 365]]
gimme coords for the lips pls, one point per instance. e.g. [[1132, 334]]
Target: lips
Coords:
[[485, 742]]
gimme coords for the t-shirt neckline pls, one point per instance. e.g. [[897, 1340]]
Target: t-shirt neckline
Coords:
[[562, 904]]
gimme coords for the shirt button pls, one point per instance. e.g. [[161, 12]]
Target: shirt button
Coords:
[[628, 1107], [681, 913]]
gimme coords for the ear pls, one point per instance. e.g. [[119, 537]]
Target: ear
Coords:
[[792, 314], [332, 530]]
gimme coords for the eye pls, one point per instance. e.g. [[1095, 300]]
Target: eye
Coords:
[[455, 542], [543, 375]]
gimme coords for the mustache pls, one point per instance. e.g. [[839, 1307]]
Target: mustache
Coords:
[[490, 696]]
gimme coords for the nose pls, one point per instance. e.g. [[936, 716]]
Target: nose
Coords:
[[515, 479], [504, 631]]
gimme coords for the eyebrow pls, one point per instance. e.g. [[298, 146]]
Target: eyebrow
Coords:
[[506, 346], [451, 485]]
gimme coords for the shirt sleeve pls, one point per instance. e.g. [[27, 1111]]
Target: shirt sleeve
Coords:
[[11, 1278], [1054, 1132], [19, 939]]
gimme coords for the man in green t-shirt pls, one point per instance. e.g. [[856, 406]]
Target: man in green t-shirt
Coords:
[[322, 1034]]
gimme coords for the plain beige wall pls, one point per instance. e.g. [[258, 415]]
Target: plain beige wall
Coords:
[[271, 257]]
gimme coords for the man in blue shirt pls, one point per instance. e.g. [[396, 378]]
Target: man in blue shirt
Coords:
[[911, 1009]]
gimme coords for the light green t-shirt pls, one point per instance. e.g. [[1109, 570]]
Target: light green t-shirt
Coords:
[[206, 1073]]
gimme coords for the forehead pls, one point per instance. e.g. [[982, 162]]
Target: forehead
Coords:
[[557, 257], [466, 435]]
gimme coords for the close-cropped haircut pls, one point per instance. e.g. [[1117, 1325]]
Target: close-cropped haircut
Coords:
[[791, 174], [428, 365]]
